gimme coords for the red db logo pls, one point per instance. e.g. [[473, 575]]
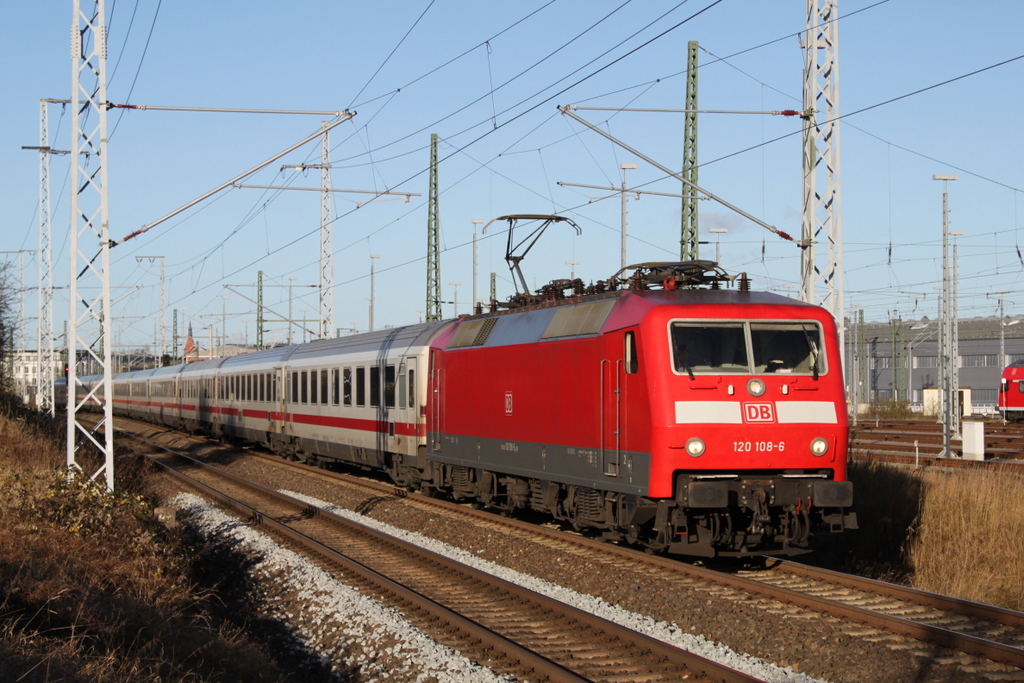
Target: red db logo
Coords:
[[758, 412], [508, 402]]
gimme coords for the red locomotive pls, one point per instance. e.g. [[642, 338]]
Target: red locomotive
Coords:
[[1011, 392], [659, 409]]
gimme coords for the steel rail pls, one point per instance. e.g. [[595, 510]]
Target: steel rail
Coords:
[[966, 643], [673, 656], [510, 651], [978, 609], [969, 644]]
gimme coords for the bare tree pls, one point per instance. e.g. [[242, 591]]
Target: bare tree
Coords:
[[7, 327]]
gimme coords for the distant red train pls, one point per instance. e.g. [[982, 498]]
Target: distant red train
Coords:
[[659, 409], [1011, 392]]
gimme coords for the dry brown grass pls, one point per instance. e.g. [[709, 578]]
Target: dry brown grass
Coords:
[[92, 590], [958, 532], [970, 537]]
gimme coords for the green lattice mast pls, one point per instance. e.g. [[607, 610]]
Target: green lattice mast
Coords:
[[433, 240], [688, 242]]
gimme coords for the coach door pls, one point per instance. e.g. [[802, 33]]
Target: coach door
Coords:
[[435, 397]]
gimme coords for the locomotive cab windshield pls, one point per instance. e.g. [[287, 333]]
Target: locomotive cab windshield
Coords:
[[749, 347]]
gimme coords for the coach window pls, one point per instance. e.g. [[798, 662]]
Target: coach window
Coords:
[[263, 386], [401, 385], [304, 389], [250, 392], [312, 386], [323, 387], [412, 388], [632, 361], [360, 387], [374, 386], [389, 386], [346, 385], [335, 386]]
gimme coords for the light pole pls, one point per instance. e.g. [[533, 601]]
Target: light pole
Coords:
[[572, 268], [910, 359], [372, 295], [291, 319], [718, 232], [624, 167], [948, 336], [476, 222], [1002, 337], [456, 286], [224, 320]]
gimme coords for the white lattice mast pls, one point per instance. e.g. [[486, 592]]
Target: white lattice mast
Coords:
[[822, 264], [326, 240], [45, 360], [89, 283]]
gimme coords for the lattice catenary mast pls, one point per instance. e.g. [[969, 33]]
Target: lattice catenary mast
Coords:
[[822, 262], [88, 314], [326, 239], [689, 240], [46, 359], [433, 240]]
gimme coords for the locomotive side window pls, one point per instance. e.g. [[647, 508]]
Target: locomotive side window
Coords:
[[632, 361], [347, 386], [323, 387], [1020, 386], [374, 386], [709, 347], [360, 387]]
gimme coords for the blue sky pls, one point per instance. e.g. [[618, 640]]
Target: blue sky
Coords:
[[487, 78]]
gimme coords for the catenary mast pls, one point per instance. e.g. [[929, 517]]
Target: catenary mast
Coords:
[[89, 255]]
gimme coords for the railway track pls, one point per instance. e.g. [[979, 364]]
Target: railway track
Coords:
[[920, 442], [505, 627], [979, 637], [877, 609]]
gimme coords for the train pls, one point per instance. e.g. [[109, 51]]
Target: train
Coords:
[[1011, 392], [669, 407]]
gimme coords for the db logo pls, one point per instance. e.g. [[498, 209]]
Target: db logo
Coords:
[[508, 402], [758, 412]]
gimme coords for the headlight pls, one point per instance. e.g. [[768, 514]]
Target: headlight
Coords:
[[755, 387], [695, 447], [819, 447]]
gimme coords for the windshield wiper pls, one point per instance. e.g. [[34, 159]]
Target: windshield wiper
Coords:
[[814, 351], [683, 356]]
